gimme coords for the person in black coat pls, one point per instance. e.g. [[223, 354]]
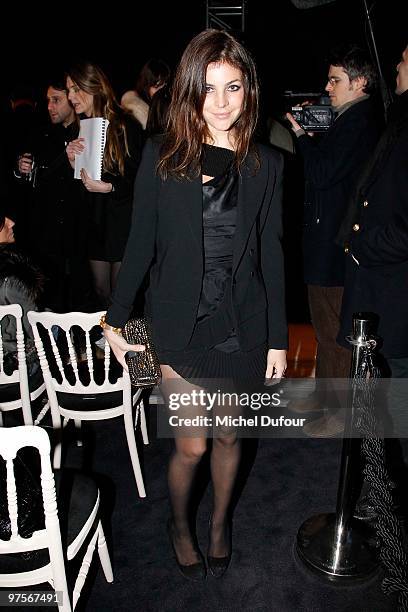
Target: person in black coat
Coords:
[[53, 204], [375, 238], [17, 126], [108, 202], [21, 282], [207, 223], [332, 164]]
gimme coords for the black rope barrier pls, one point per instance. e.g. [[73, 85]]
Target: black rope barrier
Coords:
[[338, 545], [386, 524]]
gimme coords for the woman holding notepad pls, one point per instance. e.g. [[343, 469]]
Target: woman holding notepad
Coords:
[[108, 200]]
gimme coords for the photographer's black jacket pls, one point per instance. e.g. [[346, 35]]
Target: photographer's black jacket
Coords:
[[332, 165]]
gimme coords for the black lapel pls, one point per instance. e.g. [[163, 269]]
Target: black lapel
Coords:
[[251, 193]]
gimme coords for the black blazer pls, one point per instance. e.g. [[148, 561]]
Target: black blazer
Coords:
[[167, 230]]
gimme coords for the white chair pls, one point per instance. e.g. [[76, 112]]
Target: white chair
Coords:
[[15, 390], [73, 385], [46, 564]]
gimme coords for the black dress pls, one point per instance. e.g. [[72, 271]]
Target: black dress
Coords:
[[213, 351], [109, 214]]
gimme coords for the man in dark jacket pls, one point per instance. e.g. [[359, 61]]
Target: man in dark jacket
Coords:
[[54, 210], [376, 236], [332, 164], [19, 121]]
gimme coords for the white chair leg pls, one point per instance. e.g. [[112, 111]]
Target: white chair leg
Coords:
[[130, 435], [42, 413], [78, 424], [56, 462], [59, 583], [83, 572], [66, 604], [104, 554], [27, 414], [143, 426], [57, 429]]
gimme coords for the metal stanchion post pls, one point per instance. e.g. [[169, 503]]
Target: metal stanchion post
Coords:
[[336, 545]]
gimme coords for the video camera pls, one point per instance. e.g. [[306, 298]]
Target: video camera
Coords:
[[312, 117]]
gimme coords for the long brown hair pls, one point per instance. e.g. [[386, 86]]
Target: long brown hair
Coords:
[[91, 79], [155, 73], [187, 130]]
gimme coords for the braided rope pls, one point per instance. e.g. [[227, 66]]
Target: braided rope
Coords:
[[388, 529]]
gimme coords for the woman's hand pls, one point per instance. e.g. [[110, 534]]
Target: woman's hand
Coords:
[[75, 147], [275, 363], [95, 186], [120, 347]]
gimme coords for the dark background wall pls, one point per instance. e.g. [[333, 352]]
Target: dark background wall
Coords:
[[289, 44]]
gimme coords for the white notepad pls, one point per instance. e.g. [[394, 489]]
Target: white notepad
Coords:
[[94, 132]]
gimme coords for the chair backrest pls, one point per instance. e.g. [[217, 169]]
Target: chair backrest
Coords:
[[19, 375], [11, 441], [71, 371]]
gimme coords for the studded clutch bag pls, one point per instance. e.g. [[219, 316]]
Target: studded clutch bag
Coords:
[[144, 366]]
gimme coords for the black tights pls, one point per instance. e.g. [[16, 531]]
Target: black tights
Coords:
[[225, 459], [104, 274]]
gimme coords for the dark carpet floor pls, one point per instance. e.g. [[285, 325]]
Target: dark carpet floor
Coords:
[[288, 481]]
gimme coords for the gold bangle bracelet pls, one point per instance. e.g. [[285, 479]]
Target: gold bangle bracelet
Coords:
[[105, 325]]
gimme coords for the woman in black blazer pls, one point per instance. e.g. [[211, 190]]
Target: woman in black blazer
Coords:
[[207, 222]]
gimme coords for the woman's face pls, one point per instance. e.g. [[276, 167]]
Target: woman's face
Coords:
[[6, 233], [80, 100], [224, 99]]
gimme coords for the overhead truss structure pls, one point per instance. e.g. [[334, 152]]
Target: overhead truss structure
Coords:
[[226, 15]]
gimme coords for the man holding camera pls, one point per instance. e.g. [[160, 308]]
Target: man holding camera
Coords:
[[332, 164]]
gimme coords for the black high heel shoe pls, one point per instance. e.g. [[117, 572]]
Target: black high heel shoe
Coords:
[[219, 565], [194, 571]]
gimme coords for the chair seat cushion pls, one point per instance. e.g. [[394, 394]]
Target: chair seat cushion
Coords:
[[91, 401], [11, 392], [76, 495]]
